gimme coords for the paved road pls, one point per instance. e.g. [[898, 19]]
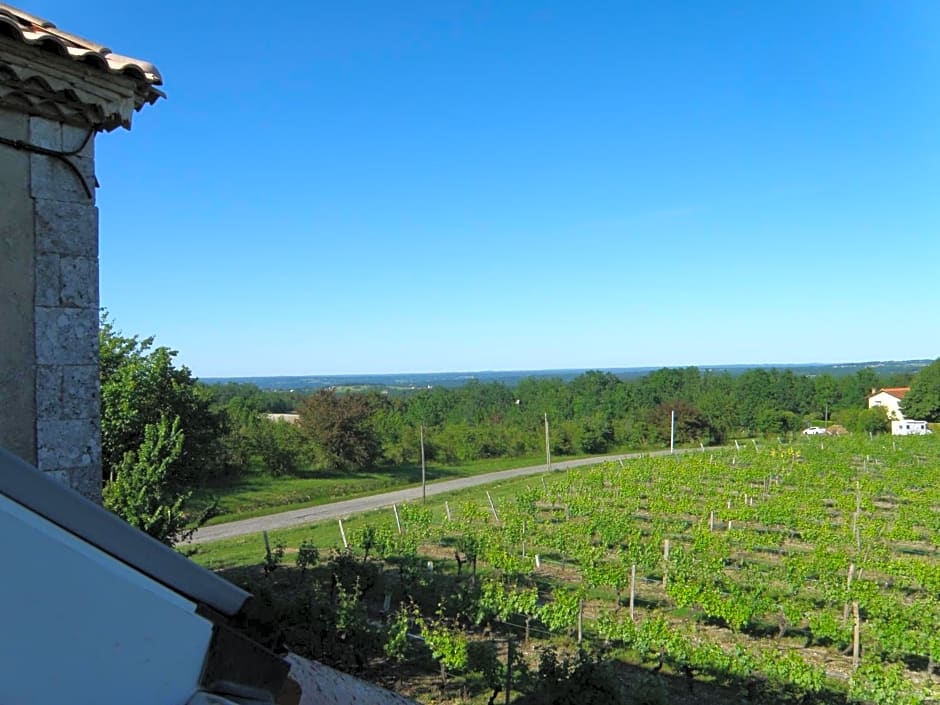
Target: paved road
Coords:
[[337, 510]]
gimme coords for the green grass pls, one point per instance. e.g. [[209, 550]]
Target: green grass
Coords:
[[249, 549], [254, 494]]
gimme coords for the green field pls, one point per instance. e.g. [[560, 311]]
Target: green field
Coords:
[[777, 556]]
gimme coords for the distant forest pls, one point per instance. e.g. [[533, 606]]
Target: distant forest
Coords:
[[398, 382], [594, 412]]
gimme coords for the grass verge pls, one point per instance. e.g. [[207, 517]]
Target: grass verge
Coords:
[[249, 549], [254, 494]]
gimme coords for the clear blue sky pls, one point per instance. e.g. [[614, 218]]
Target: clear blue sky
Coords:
[[340, 187]]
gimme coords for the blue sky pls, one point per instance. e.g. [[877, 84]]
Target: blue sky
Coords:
[[367, 187]]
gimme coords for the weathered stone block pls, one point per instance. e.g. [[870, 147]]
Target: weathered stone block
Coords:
[[67, 443], [68, 392], [81, 394], [79, 282], [86, 481], [48, 392], [59, 476], [48, 280], [45, 133], [50, 178], [73, 137], [67, 336], [87, 168], [66, 228]]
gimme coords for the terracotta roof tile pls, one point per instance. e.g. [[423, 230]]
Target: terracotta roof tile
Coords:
[[43, 34], [896, 392]]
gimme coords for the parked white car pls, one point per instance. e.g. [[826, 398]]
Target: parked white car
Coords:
[[814, 431]]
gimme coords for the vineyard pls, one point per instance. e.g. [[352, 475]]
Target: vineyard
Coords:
[[779, 573]]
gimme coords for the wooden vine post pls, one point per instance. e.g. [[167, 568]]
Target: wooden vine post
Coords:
[[855, 517], [342, 533], [848, 588], [492, 506], [397, 518], [856, 633], [632, 589], [580, 620], [509, 656], [548, 448], [665, 562], [424, 481]]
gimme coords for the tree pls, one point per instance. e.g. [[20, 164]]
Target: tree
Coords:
[[776, 421], [923, 400], [254, 442], [596, 434], [874, 420], [141, 491], [691, 425], [158, 435], [341, 426], [140, 386]]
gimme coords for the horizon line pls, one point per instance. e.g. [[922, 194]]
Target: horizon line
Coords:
[[862, 363]]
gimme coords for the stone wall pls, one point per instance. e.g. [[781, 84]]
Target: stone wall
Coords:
[[49, 306]]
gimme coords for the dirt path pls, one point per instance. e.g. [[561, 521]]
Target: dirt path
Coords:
[[311, 515]]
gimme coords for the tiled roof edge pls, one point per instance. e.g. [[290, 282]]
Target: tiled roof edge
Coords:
[[43, 34]]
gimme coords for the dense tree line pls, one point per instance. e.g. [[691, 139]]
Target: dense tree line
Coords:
[[596, 412]]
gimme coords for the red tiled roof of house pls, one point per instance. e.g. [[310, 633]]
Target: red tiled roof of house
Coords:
[[43, 34], [896, 392]]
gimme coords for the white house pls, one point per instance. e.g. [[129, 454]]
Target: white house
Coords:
[[890, 398]]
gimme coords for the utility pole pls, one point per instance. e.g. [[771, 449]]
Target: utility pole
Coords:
[[548, 450], [672, 432], [424, 487]]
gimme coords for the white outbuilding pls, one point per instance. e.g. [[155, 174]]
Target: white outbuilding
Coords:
[[909, 427]]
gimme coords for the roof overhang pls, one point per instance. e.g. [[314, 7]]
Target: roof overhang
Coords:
[[54, 74]]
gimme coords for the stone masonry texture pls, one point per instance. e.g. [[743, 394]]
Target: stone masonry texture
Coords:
[[65, 311]]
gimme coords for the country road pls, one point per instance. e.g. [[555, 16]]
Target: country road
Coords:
[[338, 510]]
